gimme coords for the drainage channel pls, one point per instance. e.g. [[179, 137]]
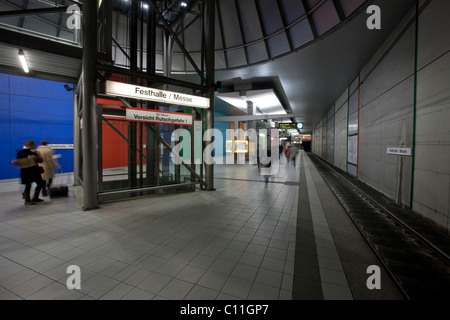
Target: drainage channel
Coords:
[[419, 268]]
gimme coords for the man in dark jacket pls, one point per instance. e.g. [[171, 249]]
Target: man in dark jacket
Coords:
[[30, 172]]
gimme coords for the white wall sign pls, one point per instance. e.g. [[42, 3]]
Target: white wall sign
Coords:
[[142, 93], [399, 151], [139, 115], [61, 146]]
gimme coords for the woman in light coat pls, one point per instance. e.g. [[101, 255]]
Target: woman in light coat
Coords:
[[48, 164]]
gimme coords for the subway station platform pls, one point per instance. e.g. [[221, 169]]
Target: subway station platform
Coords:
[[288, 239]]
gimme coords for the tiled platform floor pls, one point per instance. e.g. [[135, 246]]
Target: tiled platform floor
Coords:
[[238, 242]]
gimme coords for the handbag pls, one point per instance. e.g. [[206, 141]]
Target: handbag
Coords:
[[58, 191]]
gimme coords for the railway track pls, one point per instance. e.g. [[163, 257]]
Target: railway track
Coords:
[[418, 264]]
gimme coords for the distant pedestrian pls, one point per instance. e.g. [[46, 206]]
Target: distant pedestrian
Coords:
[[28, 160], [287, 153], [266, 168], [293, 154], [281, 150], [49, 165]]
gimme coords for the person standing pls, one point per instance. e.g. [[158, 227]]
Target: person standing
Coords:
[[287, 153], [48, 165], [293, 155], [28, 159], [267, 167]]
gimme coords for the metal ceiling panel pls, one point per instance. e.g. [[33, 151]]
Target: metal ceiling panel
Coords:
[[257, 52], [197, 59], [236, 58], [178, 63], [313, 3], [271, 17], [301, 33], [35, 24], [41, 64], [250, 21], [230, 23], [293, 10], [220, 60], [325, 17], [349, 6], [219, 39], [192, 41], [278, 45], [12, 21]]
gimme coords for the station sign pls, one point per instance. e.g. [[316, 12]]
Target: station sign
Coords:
[[399, 151], [288, 126], [237, 146], [68, 146], [119, 89], [139, 115], [291, 126]]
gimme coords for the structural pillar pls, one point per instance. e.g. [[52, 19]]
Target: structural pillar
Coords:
[[76, 140], [210, 67], [132, 126], [152, 142], [251, 111], [89, 131]]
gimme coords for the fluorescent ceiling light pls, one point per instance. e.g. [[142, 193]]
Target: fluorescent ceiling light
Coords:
[[23, 61], [265, 100]]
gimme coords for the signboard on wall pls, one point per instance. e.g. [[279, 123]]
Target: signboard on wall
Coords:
[[241, 146], [353, 150], [237, 146], [229, 146], [291, 126], [61, 146], [399, 151], [139, 115], [120, 89]]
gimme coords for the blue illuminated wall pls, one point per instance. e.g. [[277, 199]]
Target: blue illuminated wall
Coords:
[[32, 109]]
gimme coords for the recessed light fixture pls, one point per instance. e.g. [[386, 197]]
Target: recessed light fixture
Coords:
[[183, 4], [23, 61]]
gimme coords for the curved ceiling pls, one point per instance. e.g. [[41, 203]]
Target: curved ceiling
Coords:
[[314, 48], [248, 32], [254, 31], [315, 77]]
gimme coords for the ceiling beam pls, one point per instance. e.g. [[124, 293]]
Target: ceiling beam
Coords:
[[285, 23], [22, 40], [241, 29], [32, 12], [257, 117], [339, 10], [37, 74], [263, 28], [155, 79], [312, 25], [222, 34]]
